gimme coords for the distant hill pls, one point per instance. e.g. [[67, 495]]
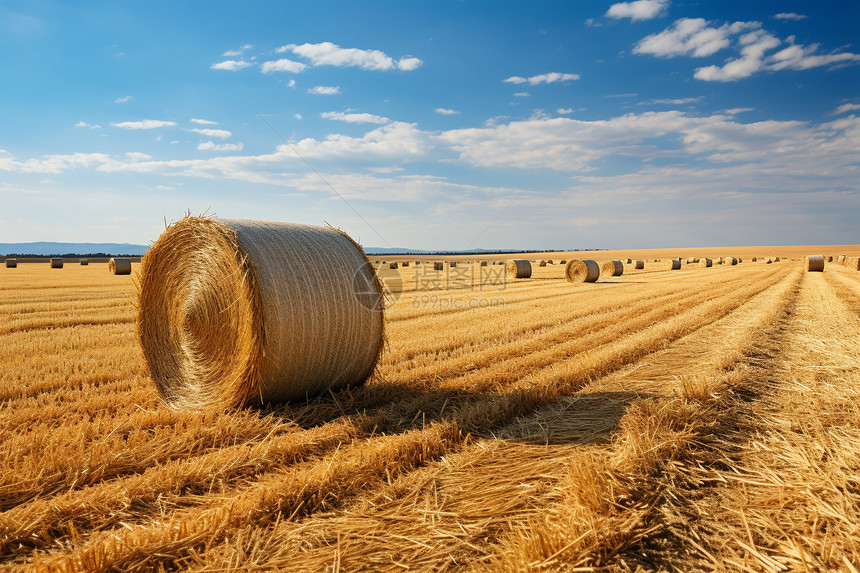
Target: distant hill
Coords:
[[43, 248]]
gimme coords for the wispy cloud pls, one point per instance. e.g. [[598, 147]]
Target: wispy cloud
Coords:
[[444, 111], [138, 156], [125, 99], [210, 146], [696, 37], [549, 78], [219, 133], [354, 117], [677, 101], [846, 107], [231, 65], [789, 16], [283, 65], [89, 125], [144, 124], [199, 121], [329, 54], [237, 52], [638, 10], [324, 90]]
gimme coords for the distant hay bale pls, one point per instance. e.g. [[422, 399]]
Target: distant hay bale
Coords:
[[692, 260], [768, 261], [438, 266], [542, 264], [11, 263], [549, 262], [119, 266], [671, 264], [581, 271], [629, 261], [829, 258], [56, 263], [483, 263], [563, 262], [392, 265], [706, 262], [852, 263], [518, 269], [452, 265], [232, 314], [417, 262], [404, 264], [612, 269], [84, 262], [754, 259], [815, 263], [730, 261], [639, 264], [776, 259]]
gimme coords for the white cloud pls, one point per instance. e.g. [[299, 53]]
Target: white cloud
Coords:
[[354, 117], [85, 124], [210, 146], [638, 10], [297, 116], [231, 65], [522, 94], [238, 52], [696, 37], [283, 65], [444, 111], [755, 44], [789, 16], [395, 139], [199, 121], [564, 110], [549, 78], [691, 37], [846, 107], [220, 133], [324, 90], [799, 57], [329, 54], [676, 101], [291, 84], [125, 99], [144, 124], [137, 156], [736, 110]]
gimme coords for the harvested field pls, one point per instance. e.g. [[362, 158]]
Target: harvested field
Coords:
[[695, 419]]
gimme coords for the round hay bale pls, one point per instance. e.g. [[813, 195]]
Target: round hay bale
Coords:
[[776, 259], [640, 264], [518, 269], [235, 312], [119, 266], [730, 261], [483, 263], [56, 263], [404, 264], [612, 269], [452, 265], [392, 265], [84, 262], [438, 266], [829, 258], [754, 259], [768, 261], [629, 261], [671, 265], [815, 263], [563, 262], [549, 262], [11, 263], [542, 264], [581, 271], [706, 262]]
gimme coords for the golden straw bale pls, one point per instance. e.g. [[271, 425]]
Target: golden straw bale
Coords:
[[518, 269], [581, 271], [452, 265], [119, 266], [11, 263], [815, 263], [56, 263], [235, 312], [438, 266], [392, 265], [483, 263], [84, 262], [730, 261], [670, 265], [705, 262], [542, 264], [640, 264], [629, 261], [612, 269]]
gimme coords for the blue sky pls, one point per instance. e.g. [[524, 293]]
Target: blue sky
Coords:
[[435, 125]]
